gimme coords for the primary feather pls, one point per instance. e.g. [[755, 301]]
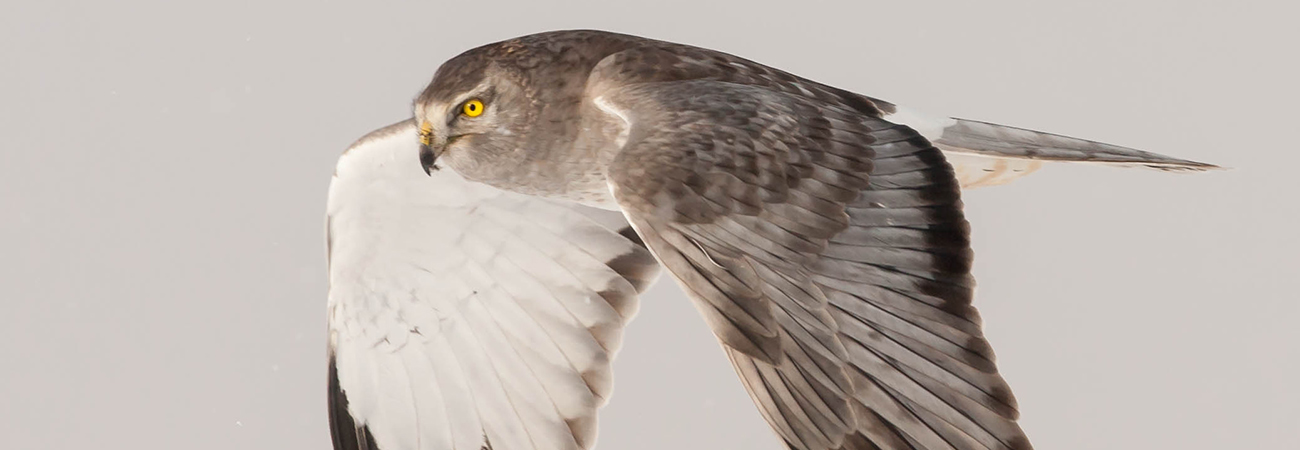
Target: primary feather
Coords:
[[828, 252]]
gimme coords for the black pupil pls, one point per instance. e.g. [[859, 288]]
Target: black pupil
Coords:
[[472, 107]]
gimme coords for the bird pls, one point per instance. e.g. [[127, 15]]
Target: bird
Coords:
[[485, 254]]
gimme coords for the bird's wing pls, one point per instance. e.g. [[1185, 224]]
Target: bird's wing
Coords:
[[828, 251], [981, 153], [466, 317]]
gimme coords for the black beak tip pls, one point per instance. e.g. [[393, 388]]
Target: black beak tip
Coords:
[[426, 160]]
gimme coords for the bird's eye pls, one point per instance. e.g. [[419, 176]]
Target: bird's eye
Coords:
[[472, 108]]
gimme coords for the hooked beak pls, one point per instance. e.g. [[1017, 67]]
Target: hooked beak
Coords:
[[427, 156]]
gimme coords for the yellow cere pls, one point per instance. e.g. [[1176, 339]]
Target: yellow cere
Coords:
[[426, 133], [473, 108]]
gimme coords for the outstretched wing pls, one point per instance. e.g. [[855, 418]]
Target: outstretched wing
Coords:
[[465, 317], [827, 250]]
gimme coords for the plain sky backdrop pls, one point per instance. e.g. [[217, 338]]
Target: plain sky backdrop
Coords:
[[164, 171]]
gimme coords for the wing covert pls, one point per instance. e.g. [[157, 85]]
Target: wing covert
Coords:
[[828, 251]]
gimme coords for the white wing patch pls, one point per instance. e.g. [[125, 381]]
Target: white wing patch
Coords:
[[931, 127], [462, 315]]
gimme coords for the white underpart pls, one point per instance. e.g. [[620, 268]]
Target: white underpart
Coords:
[[458, 311]]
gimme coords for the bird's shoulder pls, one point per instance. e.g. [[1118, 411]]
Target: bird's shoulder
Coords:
[[652, 61], [703, 148]]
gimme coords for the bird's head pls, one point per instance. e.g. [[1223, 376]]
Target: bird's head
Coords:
[[510, 111], [473, 116]]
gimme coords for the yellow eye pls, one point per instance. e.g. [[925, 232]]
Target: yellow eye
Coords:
[[472, 108]]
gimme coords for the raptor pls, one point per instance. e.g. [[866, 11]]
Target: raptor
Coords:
[[486, 253]]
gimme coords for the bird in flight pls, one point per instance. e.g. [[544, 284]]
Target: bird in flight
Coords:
[[486, 254]]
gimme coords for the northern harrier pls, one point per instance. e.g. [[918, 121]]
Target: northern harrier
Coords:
[[486, 254]]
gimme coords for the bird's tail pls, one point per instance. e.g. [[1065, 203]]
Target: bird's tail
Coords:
[[986, 154]]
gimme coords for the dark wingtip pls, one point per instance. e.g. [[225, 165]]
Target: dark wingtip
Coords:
[[343, 429]]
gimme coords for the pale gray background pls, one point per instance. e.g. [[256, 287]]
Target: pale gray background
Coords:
[[164, 170]]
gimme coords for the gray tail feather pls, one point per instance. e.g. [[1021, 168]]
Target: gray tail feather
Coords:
[[1001, 141]]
